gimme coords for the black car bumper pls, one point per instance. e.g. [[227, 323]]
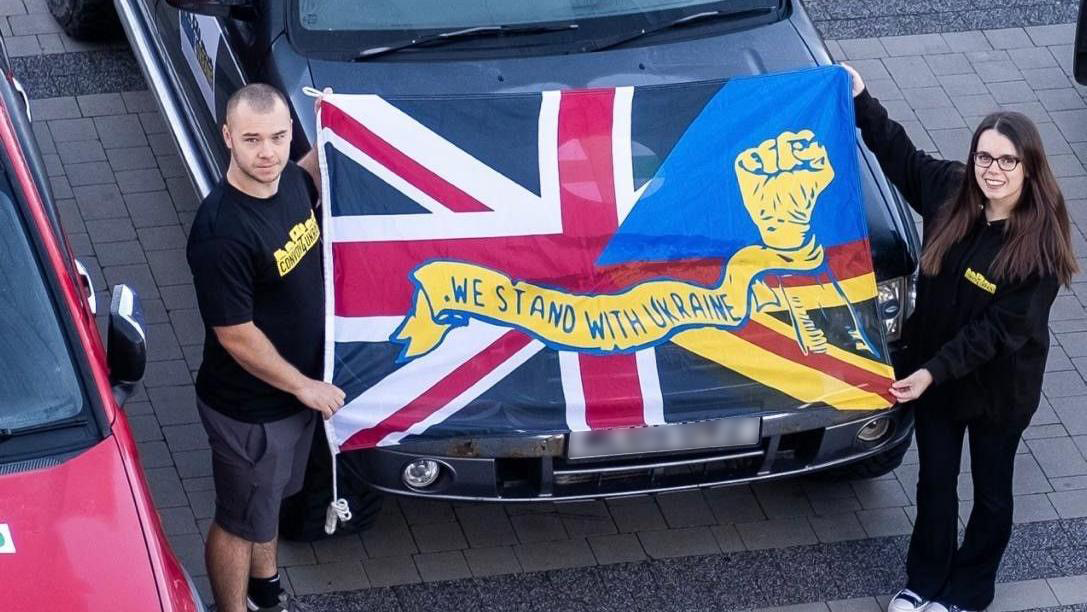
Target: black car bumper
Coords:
[[538, 468]]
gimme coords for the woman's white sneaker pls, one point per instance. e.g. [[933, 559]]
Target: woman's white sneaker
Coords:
[[907, 601]]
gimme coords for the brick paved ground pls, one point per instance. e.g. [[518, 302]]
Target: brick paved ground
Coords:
[[126, 204]]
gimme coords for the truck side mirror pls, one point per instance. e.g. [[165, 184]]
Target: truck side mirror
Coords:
[[246, 10], [126, 352], [1079, 48]]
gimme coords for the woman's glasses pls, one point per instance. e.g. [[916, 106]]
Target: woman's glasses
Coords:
[[1007, 163]]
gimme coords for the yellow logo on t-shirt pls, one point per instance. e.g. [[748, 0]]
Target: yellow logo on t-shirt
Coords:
[[979, 280], [302, 238]]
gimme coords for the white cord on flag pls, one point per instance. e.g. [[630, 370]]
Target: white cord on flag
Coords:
[[338, 510]]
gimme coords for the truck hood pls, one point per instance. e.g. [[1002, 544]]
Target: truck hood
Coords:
[[771, 48], [76, 535]]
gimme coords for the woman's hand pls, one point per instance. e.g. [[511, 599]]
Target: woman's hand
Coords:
[[911, 387], [858, 82], [324, 92]]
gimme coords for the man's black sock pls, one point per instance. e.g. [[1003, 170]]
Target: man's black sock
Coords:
[[264, 591]]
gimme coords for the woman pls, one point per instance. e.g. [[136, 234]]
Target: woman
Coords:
[[996, 248]]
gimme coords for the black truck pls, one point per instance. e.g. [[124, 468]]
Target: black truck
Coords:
[[195, 53]]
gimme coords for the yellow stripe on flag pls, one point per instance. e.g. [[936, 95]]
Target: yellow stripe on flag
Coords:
[[875, 367], [802, 382]]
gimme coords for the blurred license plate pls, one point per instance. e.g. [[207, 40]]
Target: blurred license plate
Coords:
[[722, 433]]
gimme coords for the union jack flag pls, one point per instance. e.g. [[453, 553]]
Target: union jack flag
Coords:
[[537, 186]]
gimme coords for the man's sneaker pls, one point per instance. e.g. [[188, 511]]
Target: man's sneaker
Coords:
[[286, 603], [907, 601]]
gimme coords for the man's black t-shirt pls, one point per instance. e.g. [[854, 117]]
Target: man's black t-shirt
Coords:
[[258, 260]]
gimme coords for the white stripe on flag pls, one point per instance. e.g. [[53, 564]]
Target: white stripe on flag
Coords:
[[649, 379], [623, 163], [486, 382], [380, 171], [444, 158], [391, 393], [572, 391], [366, 329]]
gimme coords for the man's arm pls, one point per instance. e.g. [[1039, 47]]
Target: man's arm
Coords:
[[256, 353]]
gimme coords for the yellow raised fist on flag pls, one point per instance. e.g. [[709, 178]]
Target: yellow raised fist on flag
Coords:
[[780, 180]]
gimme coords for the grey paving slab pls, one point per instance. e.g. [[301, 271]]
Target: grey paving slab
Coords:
[[437, 566], [837, 527], [492, 561], [554, 555], [438, 537], [910, 72], [857, 604], [486, 526], [1047, 78], [728, 538], [926, 97], [884, 522], [685, 509], [583, 519], [682, 542], [390, 537], [636, 514], [1011, 92], [880, 494], [777, 533], [1069, 589], [1008, 38], [1049, 35], [1070, 504], [862, 48], [915, 44], [1022, 595], [538, 528], [328, 577], [347, 548], [966, 41], [617, 548], [390, 571]]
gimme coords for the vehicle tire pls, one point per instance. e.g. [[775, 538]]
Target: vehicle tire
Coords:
[[86, 19], [873, 467], [302, 515]]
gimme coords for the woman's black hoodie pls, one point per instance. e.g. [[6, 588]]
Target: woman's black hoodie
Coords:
[[984, 339]]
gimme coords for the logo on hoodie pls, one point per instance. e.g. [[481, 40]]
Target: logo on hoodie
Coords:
[[979, 280]]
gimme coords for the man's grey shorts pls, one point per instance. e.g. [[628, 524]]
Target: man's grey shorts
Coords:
[[256, 465]]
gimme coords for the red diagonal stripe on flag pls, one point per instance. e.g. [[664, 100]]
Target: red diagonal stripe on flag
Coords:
[[764, 337], [444, 391], [396, 161]]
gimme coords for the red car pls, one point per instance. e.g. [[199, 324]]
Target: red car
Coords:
[[78, 528]]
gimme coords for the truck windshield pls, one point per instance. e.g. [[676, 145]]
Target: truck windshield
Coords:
[[422, 15], [38, 382]]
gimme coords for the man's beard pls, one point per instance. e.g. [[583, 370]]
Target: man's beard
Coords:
[[256, 178]]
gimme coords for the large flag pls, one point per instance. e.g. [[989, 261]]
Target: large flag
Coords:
[[574, 260]]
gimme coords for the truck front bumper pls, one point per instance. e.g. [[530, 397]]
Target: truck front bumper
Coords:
[[537, 468]]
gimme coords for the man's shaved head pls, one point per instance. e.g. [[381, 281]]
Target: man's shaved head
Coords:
[[257, 131], [259, 97]]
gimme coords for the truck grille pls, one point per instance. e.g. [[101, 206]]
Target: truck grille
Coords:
[[652, 473]]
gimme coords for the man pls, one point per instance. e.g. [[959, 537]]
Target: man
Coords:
[[255, 254]]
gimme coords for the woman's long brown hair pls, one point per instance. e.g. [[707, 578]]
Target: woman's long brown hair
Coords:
[[1037, 233]]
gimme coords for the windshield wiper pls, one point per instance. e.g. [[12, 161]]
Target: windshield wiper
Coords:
[[9, 433], [675, 23], [478, 31]]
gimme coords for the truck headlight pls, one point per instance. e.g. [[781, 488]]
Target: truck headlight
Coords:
[[894, 303]]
